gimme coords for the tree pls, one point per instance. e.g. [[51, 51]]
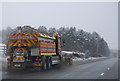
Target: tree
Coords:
[[52, 30], [4, 34], [77, 40], [42, 28]]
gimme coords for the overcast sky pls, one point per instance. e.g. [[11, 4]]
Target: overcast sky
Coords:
[[89, 16]]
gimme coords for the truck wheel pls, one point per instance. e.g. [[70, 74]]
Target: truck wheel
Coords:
[[49, 63], [60, 57], [44, 64]]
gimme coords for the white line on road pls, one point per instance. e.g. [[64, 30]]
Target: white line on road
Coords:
[[102, 74], [108, 68]]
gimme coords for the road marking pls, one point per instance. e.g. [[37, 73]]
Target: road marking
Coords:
[[108, 68], [102, 74]]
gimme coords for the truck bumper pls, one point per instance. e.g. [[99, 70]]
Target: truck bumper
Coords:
[[17, 65]]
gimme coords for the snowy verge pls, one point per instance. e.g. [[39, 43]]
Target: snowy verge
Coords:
[[77, 60], [90, 58]]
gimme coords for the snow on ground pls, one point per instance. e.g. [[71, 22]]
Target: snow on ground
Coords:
[[67, 52], [77, 59], [2, 44], [90, 58], [97, 57], [2, 48], [80, 59]]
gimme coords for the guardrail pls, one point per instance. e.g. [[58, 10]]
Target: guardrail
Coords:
[[2, 49]]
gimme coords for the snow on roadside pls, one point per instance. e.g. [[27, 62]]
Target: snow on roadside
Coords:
[[84, 59], [77, 59], [68, 52], [98, 57]]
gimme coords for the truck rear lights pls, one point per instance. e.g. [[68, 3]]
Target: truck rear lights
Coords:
[[36, 59], [9, 58]]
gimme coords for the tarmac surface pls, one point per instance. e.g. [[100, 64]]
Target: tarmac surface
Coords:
[[106, 68]]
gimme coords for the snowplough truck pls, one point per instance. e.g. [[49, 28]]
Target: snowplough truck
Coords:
[[28, 46]]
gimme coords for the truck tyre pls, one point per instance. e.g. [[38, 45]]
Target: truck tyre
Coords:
[[49, 63], [60, 57], [44, 64]]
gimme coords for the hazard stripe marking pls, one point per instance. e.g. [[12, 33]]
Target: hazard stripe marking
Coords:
[[36, 63], [36, 35], [32, 41], [16, 43], [28, 41], [11, 44], [34, 38]]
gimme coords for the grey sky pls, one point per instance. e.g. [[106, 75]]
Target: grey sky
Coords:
[[89, 16]]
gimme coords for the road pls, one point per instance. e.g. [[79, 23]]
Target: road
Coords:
[[103, 69]]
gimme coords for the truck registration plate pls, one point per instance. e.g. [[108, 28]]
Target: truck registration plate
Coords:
[[17, 65]]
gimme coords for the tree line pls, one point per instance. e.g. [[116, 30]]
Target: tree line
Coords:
[[74, 40]]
